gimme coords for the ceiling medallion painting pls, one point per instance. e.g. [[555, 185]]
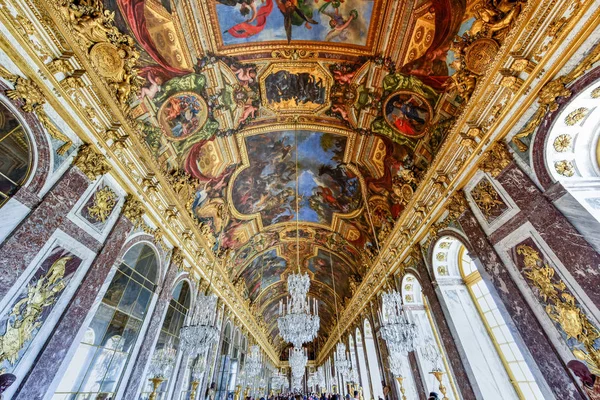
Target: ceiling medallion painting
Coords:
[[338, 107], [260, 21]]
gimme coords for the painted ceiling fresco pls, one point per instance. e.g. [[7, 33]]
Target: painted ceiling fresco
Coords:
[[303, 127]]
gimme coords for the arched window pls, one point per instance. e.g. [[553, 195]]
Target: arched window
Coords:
[[226, 339], [373, 360], [16, 155], [96, 369], [489, 345], [416, 307], [226, 362], [572, 148], [362, 364], [169, 335]]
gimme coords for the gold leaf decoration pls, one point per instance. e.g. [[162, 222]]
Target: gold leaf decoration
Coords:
[[565, 168], [33, 101], [104, 202], [562, 143], [561, 306], [576, 116], [27, 312], [486, 197], [90, 162]]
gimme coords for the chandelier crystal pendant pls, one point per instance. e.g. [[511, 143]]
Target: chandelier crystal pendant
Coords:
[[201, 332], [163, 361], [254, 362], [298, 322], [341, 362], [298, 360], [279, 380], [398, 332]]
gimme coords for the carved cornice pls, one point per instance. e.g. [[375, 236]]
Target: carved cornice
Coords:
[[490, 106], [496, 159], [94, 111], [90, 162]]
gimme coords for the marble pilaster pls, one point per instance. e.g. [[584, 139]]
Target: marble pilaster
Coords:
[[138, 372], [414, 367], [533, 336], [578, 256], [19, 249], [41, 375], [459, 372]]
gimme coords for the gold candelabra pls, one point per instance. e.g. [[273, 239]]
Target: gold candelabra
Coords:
[[400, 380], [360, 393], [438, 375], [156, 381], [194, 389]]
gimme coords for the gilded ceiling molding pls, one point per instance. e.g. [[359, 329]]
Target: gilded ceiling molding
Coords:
[[488, 103], [456, 206], [550, 94], [112, 53], [496, 159], [118, 89], [90, 162], [133, 210]]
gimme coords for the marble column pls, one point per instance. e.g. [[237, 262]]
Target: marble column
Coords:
[[459, 371], [414, 367], [21, 247], [533, 335], [136, 378], [37, 382], [577, 255]]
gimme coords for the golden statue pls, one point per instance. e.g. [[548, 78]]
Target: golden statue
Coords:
[[25, 315]]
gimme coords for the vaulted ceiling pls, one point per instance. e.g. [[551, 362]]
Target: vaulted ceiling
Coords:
[[305, 126]]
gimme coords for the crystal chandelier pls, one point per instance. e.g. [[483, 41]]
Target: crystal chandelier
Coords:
[[201, 332], [320, 377], [342, 365], [395, 364], [298, 360], [254, 362], [312, 381], [430, 352], [279, 380], [399, 333], [163, 361], [297, 324]]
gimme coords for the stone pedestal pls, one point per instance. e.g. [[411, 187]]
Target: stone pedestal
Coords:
[[43, 372], [531, 332]]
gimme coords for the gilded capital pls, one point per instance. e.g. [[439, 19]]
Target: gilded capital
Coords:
[[177, 257], [133, 210], [90, 162], [496, 159], [457, 205]]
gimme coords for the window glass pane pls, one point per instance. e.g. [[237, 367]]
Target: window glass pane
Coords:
[[130, 333], [141, 303], [95, 371], [98, 325], [116, 289], [15, 154], [115, 329]]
